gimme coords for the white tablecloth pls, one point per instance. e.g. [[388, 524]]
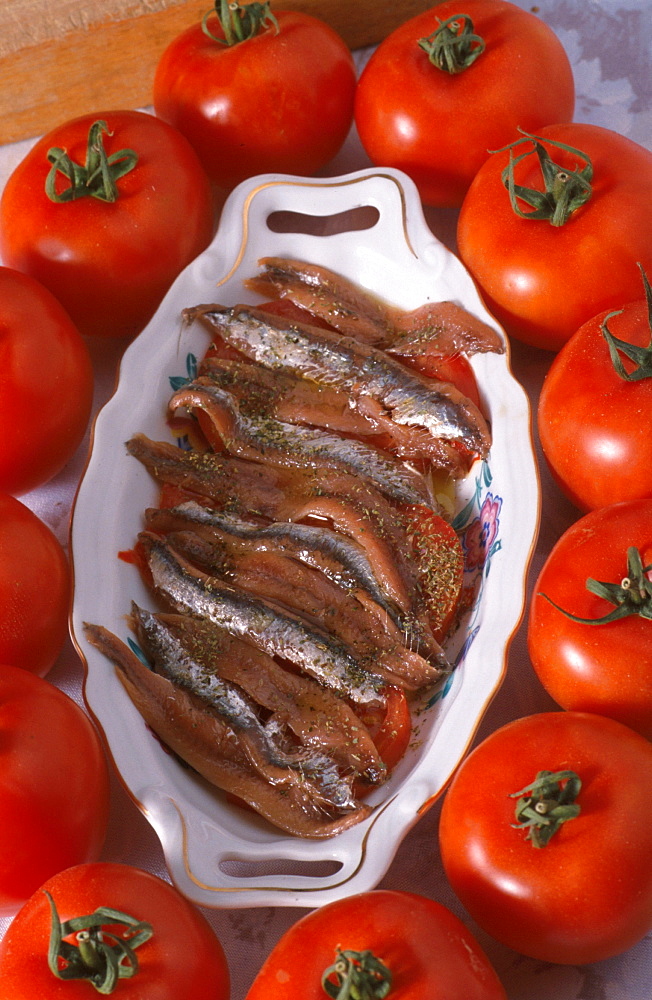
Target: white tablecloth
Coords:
[[609, 43]]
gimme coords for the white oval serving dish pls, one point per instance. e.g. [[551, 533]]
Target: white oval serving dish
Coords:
[[217, 853]]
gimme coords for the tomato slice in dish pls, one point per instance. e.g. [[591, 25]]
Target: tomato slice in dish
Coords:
[[440, 559]]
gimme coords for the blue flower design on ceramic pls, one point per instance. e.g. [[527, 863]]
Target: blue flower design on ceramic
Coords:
[[480, 541], [478, 525], [178, 381]]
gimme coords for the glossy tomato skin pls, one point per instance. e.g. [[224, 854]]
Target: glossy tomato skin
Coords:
[[543, 282], [54, 785], [46, 384], [34, 589], [183, 960], [428, 950], [587, 895], [605, 669], [281, 101], [593, 424], [439, 127], [110, 264]]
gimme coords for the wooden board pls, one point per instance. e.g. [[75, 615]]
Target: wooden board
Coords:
[[70, 57]]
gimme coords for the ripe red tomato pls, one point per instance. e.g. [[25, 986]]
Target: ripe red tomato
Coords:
[[34, 589], [279, 101], [454, 368], [426, 948], [593, 423], [604, 668], [46, 384], [587, 894], [390, 726], [108, 262], [543, 281], [437, 124], [440, 560], [54, 785], [182, 960]]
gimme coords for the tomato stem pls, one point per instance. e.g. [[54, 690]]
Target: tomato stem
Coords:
[[565, 190], [545, 805], [97, 177], [641, 356], [454, 46], [99, 955], [357, 975], [632, 596], [239, 22]]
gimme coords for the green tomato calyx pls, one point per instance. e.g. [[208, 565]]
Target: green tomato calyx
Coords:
[[454, 46], [565, 190], [641, 356], [102, 953], [239, 21], [632, 596], [545, 805], [357, 975], [98, 176]]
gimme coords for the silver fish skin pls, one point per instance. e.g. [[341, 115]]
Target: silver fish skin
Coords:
[[175, 663], [347, 364], [335, 555], [277, 633], [265, 439]]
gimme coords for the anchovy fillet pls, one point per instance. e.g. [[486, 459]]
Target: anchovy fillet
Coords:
[[263, 438], [347, 364], [442, 328], [353, 506], [338, 558], [316, 715], [277, 633], [214, 750], [175, 663]]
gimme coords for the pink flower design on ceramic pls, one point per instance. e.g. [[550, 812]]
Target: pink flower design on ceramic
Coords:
[[482, 532]]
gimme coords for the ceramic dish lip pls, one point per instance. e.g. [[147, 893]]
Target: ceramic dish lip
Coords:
[[201, 835]]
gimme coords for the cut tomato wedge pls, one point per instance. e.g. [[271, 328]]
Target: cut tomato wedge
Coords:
[[395, 731], [440, 559], [454, 368], [389, 725]]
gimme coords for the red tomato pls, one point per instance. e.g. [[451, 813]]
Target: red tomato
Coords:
[[182, 960], [426, 948], [593, 423], [54, 785], [440, 561], [46, 384], [439, 125], [109, 262], [603, 668], [454, 368], [34, 589], [587, 894], [390, 725], [395, 731], [280, 101], [543, 281]]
